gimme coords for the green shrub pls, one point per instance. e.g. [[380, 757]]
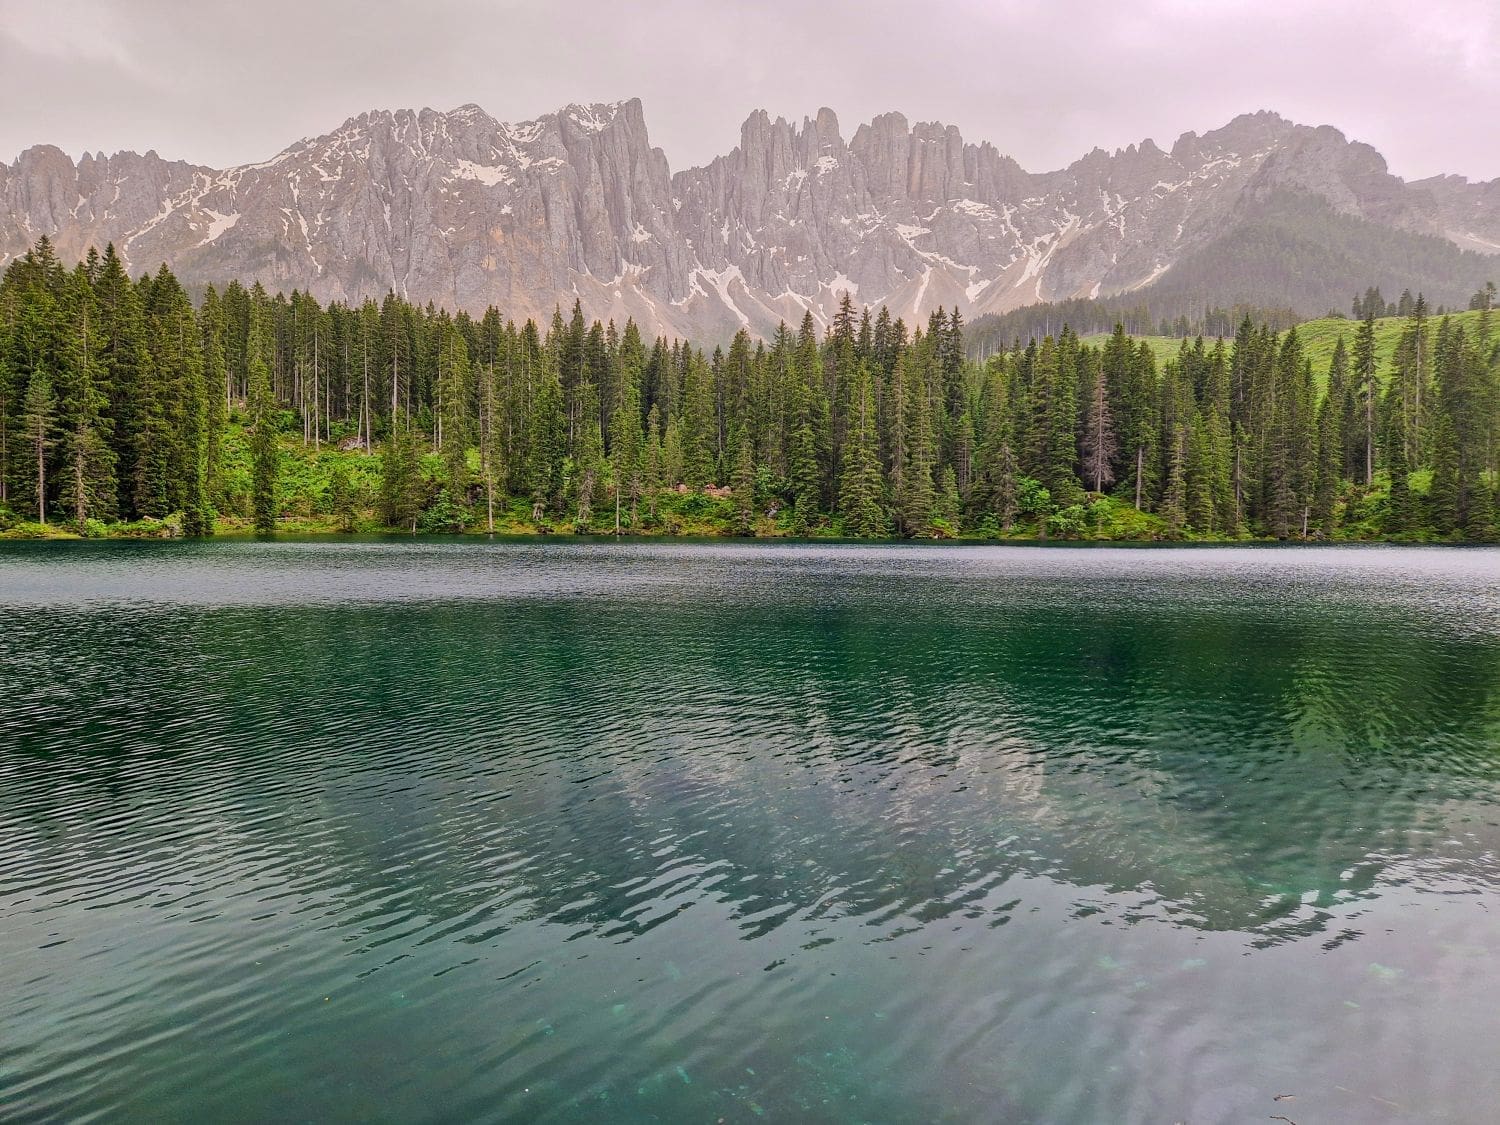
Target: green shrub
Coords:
[[1032, 497], [442, 515], [1069, 523]]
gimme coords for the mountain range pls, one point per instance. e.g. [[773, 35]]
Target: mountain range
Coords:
[[466, 211]]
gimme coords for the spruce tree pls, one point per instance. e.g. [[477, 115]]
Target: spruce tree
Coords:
[[652, 480], [1330, 462], [265, 453], [671, 455], [88, 477], [698, 426], [547, 435], [742, 485], [1199, 479], [453, 417], [860, 492], [1099, 446], [341, 495], [1174, 500], [1442, 496], [37, 423], [626, 441], [588, 455], [491, 447], [1400, 516], [399, 476], [918, 497], [802, 460]]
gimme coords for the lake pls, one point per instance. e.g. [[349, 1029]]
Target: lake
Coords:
[[582, 831]]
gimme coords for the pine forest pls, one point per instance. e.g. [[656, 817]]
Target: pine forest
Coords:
[[132, 407]]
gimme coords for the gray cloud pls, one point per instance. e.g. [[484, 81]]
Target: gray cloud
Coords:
[[223, 82]]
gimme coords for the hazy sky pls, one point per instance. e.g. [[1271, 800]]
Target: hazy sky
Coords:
[[1045, 80]]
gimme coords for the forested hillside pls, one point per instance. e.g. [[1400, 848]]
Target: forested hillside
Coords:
[[1293, 248], [125, 409]]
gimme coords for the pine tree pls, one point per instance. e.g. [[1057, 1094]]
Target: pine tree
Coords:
[[1367, 390], [1409, 382], [265, 453], [626, 441], [491, 464], [1442, 496], [399, 475], [588, 456], [1341, 392], [453, 419], [671, 454], [948, 502], [1217, 436], [743, 485], [1400, 517], [1055, 414], [216, 378], [88, 478], [1099, 445], [1174, 499], [918, 496], [341, 495], [37, 423], [1287, 453], [178, 457], [7, 412], [546, 431], [652, 478], [802, 460], [860, 491], [698, 428], [1330, 461], [1199, 479], [1483, 522], [134, 394]]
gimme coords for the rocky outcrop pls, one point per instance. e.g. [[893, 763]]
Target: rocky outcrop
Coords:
[[463, 210]]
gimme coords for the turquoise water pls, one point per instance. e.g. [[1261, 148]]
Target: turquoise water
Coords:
[[455, 831]]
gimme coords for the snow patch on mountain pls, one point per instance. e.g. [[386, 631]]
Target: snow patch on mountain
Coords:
[[784, 223]]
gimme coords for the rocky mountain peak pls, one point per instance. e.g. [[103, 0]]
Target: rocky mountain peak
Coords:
[[466, 210]]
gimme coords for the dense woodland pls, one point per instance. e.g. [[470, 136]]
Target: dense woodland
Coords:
[[125, 404]]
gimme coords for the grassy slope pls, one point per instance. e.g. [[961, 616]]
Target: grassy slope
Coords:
[[1318, 338], [1163, 347]]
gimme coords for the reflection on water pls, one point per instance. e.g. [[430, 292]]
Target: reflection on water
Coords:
[[457, 831]]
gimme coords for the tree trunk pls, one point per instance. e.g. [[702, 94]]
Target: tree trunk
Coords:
[[317, 433], [1239, 493], [364, 400], [80, 509], [41, 480]]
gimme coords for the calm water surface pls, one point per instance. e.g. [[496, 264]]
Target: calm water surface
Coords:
[[470, 831]]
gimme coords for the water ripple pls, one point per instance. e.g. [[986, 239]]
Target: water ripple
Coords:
[[481, 831]]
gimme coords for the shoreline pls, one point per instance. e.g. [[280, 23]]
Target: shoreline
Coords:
[[317, 531]]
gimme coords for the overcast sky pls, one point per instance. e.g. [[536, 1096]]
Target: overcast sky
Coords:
[[220, 82]]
